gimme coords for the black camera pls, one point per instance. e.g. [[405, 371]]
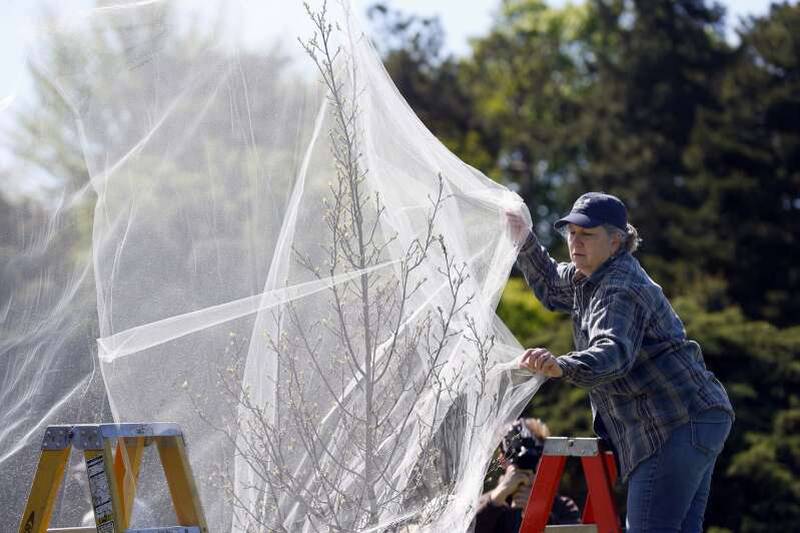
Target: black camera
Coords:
[[521, 447]]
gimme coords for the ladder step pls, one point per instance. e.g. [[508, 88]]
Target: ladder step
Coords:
[[572, 447]]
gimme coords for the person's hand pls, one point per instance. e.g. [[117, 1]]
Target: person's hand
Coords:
[[540, 361], [518, 228], [520, 498], [515, 483]]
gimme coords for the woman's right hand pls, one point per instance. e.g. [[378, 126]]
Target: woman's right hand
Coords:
[[518, 228], [540, 361]]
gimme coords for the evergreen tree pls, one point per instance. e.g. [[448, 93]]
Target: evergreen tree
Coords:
[[746, 157], [657, 64]]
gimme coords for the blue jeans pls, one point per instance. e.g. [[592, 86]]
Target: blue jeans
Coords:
[[668, 491]]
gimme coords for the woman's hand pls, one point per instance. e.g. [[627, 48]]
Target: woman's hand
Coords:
[[518, 228], [541, 361]]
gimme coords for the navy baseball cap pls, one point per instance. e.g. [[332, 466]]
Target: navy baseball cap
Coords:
[[595, 209]]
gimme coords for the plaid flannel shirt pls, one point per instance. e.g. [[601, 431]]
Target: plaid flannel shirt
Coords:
[[645, 378]]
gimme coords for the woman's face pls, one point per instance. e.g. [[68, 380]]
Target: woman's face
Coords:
[[590, 247]]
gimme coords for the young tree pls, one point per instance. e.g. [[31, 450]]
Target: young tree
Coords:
[[377, 385]]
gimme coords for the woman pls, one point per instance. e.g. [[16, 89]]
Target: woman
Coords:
[[653, 400]]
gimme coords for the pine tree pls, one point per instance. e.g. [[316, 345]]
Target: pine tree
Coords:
[[746, 155]]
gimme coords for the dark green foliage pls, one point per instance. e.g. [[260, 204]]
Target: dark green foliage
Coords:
[[758, 470], [745, 157], [657, 64]]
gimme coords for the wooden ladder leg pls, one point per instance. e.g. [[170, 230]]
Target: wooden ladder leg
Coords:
[[106, 500], [42, 497], [127, 460], [180, 481]]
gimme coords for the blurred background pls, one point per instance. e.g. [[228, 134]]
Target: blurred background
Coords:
[[689, 110]]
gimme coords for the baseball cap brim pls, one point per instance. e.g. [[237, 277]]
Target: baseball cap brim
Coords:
[[579, 219]]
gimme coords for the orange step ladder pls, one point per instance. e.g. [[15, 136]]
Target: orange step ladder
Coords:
[[599, 512]]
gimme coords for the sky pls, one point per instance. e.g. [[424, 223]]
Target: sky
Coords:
[[460, 24]]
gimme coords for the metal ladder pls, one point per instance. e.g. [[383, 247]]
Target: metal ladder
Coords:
[[599, 512], [113, 454]]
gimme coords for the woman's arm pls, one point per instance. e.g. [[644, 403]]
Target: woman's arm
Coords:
[[550, 281], [617, 320]]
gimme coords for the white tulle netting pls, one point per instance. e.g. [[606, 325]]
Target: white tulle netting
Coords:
[[241, 227]]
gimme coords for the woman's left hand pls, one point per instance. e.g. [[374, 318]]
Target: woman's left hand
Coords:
[[541, 361]]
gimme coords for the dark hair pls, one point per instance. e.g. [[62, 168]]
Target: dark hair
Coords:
[[523, 444]]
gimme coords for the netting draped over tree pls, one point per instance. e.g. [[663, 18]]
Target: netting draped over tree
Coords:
[[272, 251]]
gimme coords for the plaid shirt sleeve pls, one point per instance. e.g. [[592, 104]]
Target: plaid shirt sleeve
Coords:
[[614, 325], [549, 280]]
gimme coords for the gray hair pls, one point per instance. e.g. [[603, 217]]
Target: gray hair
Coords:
[[630, 237]]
